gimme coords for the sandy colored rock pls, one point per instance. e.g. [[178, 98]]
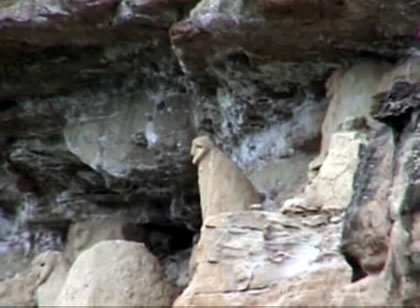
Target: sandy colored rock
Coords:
[[116, 273], [395, 285], [332, 188], [350, 95], [19, 290], [313, 289], [223, 186], [38, 285], [255, 258], [297, 206], [370, 291], [52, 269]]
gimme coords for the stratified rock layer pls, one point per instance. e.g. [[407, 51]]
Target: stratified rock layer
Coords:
[[100, 99], [261, 258]]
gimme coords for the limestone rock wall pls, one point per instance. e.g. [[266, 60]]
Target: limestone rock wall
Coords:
[[263, 259], [358, 213], [387, 255], [315, 100]]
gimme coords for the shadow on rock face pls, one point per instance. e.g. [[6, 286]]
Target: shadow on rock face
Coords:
[[357, 271], [161, 240]]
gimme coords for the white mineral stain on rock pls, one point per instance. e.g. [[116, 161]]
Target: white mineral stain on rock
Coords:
[[303, 256], [151, 136]]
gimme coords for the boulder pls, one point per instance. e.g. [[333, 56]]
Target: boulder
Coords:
[[116, 273]]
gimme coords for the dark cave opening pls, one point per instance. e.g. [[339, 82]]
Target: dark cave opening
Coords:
[[7, 104], [161, 240]]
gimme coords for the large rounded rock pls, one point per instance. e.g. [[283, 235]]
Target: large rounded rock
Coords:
[[116, 273]]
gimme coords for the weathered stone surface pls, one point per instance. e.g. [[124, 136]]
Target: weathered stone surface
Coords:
[[263, 31], [387, 249], [46, 183], [171, 245], [85, 234], [260, 258], [332, 188], [148, 134], [350, 93], [63, 42], [92, 71], [73, 66], [116, 273], [270, 129], [365, 238], [392, 279], [98, 105], [176, 268], [313, 289], [366, 226], [370, 291], [53, 268], [39, 285], [19, 290], [403, 263], [27, 22], [223, 186], [281, 179]]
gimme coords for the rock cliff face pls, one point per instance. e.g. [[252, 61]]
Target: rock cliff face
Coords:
[[317, 101]]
